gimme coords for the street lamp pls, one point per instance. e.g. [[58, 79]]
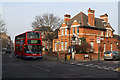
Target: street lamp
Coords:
[[73, 38], [69, 26]]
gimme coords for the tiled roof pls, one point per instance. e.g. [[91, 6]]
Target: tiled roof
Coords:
[[83, 19]]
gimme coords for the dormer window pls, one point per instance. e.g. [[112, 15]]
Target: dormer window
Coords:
[[73, 30], [106, 33], [65, 31], [109, 33], [101, 33]]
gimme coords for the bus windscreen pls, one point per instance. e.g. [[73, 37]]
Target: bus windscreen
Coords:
[[33, 35]]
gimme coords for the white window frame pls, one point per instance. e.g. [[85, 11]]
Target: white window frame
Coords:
[[65, 45], [80, 42], [65, 31], [106, 33], [73, 30], [101, 33], [117, 43], [92, 44]]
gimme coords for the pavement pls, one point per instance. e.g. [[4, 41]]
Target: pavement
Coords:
[[54, 58]]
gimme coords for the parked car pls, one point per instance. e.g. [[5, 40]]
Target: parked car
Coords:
[[111, 55]]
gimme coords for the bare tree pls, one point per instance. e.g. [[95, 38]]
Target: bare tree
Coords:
[[49, 21], [2, 26]]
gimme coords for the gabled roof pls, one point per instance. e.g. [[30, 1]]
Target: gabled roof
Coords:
[[82, 18]]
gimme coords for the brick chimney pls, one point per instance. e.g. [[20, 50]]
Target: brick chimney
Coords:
[[91, 19], [104, 17], [66, 17]]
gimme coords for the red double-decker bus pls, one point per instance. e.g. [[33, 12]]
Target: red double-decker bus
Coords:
[[28, 45]]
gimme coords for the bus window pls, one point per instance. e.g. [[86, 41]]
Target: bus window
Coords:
[[33, 35], [32, 48]]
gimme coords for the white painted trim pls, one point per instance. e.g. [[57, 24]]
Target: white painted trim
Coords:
[[75, 25], [71, 26], [95, 51], [63, 27], [109, 29], [88, 24], [103, 21], [63, 22], [75, 20], [79, 34]]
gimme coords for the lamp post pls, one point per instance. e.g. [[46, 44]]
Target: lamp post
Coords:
[[73, 38], [69, 26]]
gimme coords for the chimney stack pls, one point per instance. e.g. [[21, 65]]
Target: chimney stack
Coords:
[[91, 18], [66, 18], [104, 17]]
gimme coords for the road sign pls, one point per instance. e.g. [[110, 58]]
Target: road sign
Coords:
[[98, 39]]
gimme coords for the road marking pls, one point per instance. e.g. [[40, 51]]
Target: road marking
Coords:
[[72, 63], [90, 64], [111, 68], [41, 68], [106, 68], [96, 65], [79, 64], [87, 65], [100, 67]]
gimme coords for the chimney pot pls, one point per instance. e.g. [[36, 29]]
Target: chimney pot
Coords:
[[67, 17], [104, 17]]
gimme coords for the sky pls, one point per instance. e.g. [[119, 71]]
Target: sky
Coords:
[[18, 16]]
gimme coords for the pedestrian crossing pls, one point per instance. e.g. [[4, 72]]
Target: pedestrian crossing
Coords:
[[97, 66]]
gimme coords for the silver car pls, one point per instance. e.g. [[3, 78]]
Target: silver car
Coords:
[[111, 55]]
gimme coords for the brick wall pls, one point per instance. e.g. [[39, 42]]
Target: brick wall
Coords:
[[93, 56]]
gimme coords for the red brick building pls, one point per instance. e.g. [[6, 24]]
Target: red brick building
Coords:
[[88, 26]]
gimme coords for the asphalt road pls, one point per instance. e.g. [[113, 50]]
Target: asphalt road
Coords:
[[47, 68]]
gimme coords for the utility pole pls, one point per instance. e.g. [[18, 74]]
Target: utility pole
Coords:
[[69, 36], [99, 44]]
